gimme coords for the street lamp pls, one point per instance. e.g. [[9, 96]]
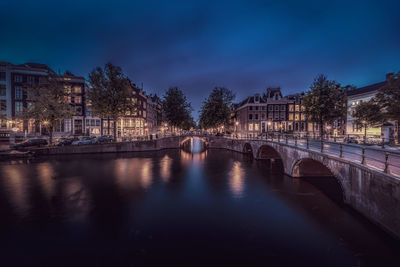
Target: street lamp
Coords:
[[364, 122]]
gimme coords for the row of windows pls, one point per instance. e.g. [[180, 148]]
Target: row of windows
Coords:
[[92, 122], [2, 76], [29, 79], [277, 108], [3, 105], [281, 115]]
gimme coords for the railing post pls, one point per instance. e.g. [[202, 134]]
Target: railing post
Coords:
[[383, 142], [386, 170], [308, 146], [322, 145], [341, 151], [363, 156], [295, 140]]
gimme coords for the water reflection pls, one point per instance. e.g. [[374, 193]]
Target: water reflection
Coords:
[[134, 172], [165, 168], [236, 179], [46, 176], [141, 209], [15, 183]]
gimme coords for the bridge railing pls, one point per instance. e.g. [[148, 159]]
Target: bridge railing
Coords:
[[376, 157]]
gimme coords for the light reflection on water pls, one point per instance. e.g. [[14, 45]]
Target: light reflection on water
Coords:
[[212, 206], [236, 180]]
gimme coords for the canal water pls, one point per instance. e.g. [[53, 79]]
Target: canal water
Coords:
[[178, 208]]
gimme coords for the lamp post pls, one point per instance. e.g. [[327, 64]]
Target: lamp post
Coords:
[[236, 126], [364, 122], [328, 128]]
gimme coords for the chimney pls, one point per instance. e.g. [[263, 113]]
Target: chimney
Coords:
[[389, 75]]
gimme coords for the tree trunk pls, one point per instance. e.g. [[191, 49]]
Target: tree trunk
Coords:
[[365, 134], [321, 129], [51, 135], [115, 129], [398, 131], [108, 126]]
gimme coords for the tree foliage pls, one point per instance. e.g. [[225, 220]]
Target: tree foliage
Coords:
[[110, 93], [50, 103], [324, 102], [176, 108], [216, 109], [368, 114], [388, 97]]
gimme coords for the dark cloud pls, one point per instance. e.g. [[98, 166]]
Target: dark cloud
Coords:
[[243, 45]]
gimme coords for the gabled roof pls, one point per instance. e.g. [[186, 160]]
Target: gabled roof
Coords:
[[366, 89]]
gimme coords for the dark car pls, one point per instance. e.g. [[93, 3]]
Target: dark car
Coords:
[[66, 142], [30, 143], [350, 140], [105, 139]]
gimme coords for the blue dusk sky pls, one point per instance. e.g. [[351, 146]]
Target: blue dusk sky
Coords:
[[245, 46]]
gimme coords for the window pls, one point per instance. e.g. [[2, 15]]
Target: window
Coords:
[[263, 116], [250, 127], [2, 76], [256, 127], [276, 107], [2, 90], [291, 116], [77, 89], [303, 117], [283, 107], [297, 108], [18, 107], [250, 116], [3, 105], [270, 108], [256, 116], [78, 100], [296, 117], [87, 122], [67, 89], [18, 93], [97, 122], [291, 108], [251, 108], [256, 107], [30, 79], [264, 107], [18, 78]]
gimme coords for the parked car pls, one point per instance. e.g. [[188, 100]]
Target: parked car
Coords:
[[350, 140], [84, 141], [37, 142], [66, 141], [105, 139]]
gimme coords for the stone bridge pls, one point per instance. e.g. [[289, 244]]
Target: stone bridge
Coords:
[[372, 192]]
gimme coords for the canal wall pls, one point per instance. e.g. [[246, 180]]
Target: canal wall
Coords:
[[121, 147]]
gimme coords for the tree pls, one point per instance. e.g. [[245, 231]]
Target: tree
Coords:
[[368, 114], [49, 104], [325, 102], [110, 94], [388, 97], [216, 109], [176, 108]]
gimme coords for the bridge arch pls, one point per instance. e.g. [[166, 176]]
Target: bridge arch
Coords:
[[187, 138], [316, 172], [247, 149], [267, 152]]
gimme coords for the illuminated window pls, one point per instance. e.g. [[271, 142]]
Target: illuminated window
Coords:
[[250, 127], [291, 116], [303, 117], [78, 99], [256, 127], [296, 117], [297, 107], [77, 89], [291, 108]]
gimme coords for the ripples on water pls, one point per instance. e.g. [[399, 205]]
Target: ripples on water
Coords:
[[209, 208]]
